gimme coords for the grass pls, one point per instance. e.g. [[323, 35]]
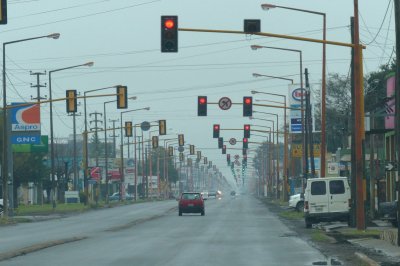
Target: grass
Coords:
[[48, 209], [354, 233], [292, 215], [319, 236]]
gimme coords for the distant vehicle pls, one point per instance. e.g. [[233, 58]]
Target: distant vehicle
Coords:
[[297, 202], [212, 194], [388, 212], [191, 202], [326, 199], [114, 196], [204, 194]]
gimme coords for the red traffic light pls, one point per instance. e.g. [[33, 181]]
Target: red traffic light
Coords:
[[216, 127], [246, 127], [202, 100], [247, 100], [169, 23], [245, 140]]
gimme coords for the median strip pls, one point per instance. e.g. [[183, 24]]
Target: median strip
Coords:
[[37, 247]]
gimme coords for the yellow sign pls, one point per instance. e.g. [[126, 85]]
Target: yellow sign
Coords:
[[297, 150]]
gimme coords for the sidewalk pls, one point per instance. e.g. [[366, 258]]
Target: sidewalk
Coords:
[[386, 245]]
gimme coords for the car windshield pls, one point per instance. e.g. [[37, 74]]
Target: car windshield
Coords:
[[190, 196]]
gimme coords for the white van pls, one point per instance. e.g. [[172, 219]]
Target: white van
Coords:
[[326, 199]]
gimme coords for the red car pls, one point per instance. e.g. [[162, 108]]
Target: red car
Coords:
[[191, 202]]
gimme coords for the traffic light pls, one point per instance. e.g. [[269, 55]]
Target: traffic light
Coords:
[[247, 106], [245, 143], [198, 155], [246, 131], [216, 131], [202, 106], [162, 127], [169, 34], [3, 14], [224, 149], [191, 149], [122, 97], [170, 151], [181, 157], [228, 159], [181, 140], [128, 129], [205, 160], [71, 101], [252, 25], [154, 142], [220, 143]]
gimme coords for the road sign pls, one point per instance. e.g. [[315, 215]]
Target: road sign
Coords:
[[232, 141], [145, 126], [225, 103], [237, 157], [181, 148], [390, 166]]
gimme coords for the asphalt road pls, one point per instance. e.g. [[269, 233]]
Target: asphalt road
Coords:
[[237, 231]]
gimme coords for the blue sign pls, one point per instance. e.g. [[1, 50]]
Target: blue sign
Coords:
[[25, 117], [31, 138]]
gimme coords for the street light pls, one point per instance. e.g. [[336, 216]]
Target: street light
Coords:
[[89, 64], [86, 164], [286, 142], [122, 148], [6, 145], [276, 147], [105, 143], [323, 90]]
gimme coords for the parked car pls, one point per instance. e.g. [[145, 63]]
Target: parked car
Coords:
[[326, 199], [114, 196], [297, 202], [191, 202], [388, 211]]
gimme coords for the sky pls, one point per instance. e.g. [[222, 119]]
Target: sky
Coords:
[[122, 38]]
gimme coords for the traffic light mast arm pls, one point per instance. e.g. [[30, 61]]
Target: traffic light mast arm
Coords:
[[54, 100], [281, 36]]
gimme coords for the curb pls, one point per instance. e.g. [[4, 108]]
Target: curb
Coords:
[[364, 258]]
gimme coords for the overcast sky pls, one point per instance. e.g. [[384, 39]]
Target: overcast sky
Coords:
[[122, 38]]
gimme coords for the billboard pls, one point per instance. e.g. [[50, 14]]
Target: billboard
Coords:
[[25, 123]]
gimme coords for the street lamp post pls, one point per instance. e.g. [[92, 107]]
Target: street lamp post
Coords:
[[122, 149], [86, 146], [286, 143], [275, 148], [105, 144], [277, 142], [6, 144], [323, 90], [89, 64]]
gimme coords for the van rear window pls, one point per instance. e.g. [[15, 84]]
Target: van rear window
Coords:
[[318, 188], [336, 187]]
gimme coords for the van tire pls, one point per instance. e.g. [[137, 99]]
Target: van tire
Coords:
[[300, 206], [308, 223]]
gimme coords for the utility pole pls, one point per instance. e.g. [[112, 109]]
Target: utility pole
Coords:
[[397, 117], [96, 139], [38, 85], [74, 168], [309, 125], [113, 121]]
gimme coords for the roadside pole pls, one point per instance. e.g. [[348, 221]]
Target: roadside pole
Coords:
[[397, 104]]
